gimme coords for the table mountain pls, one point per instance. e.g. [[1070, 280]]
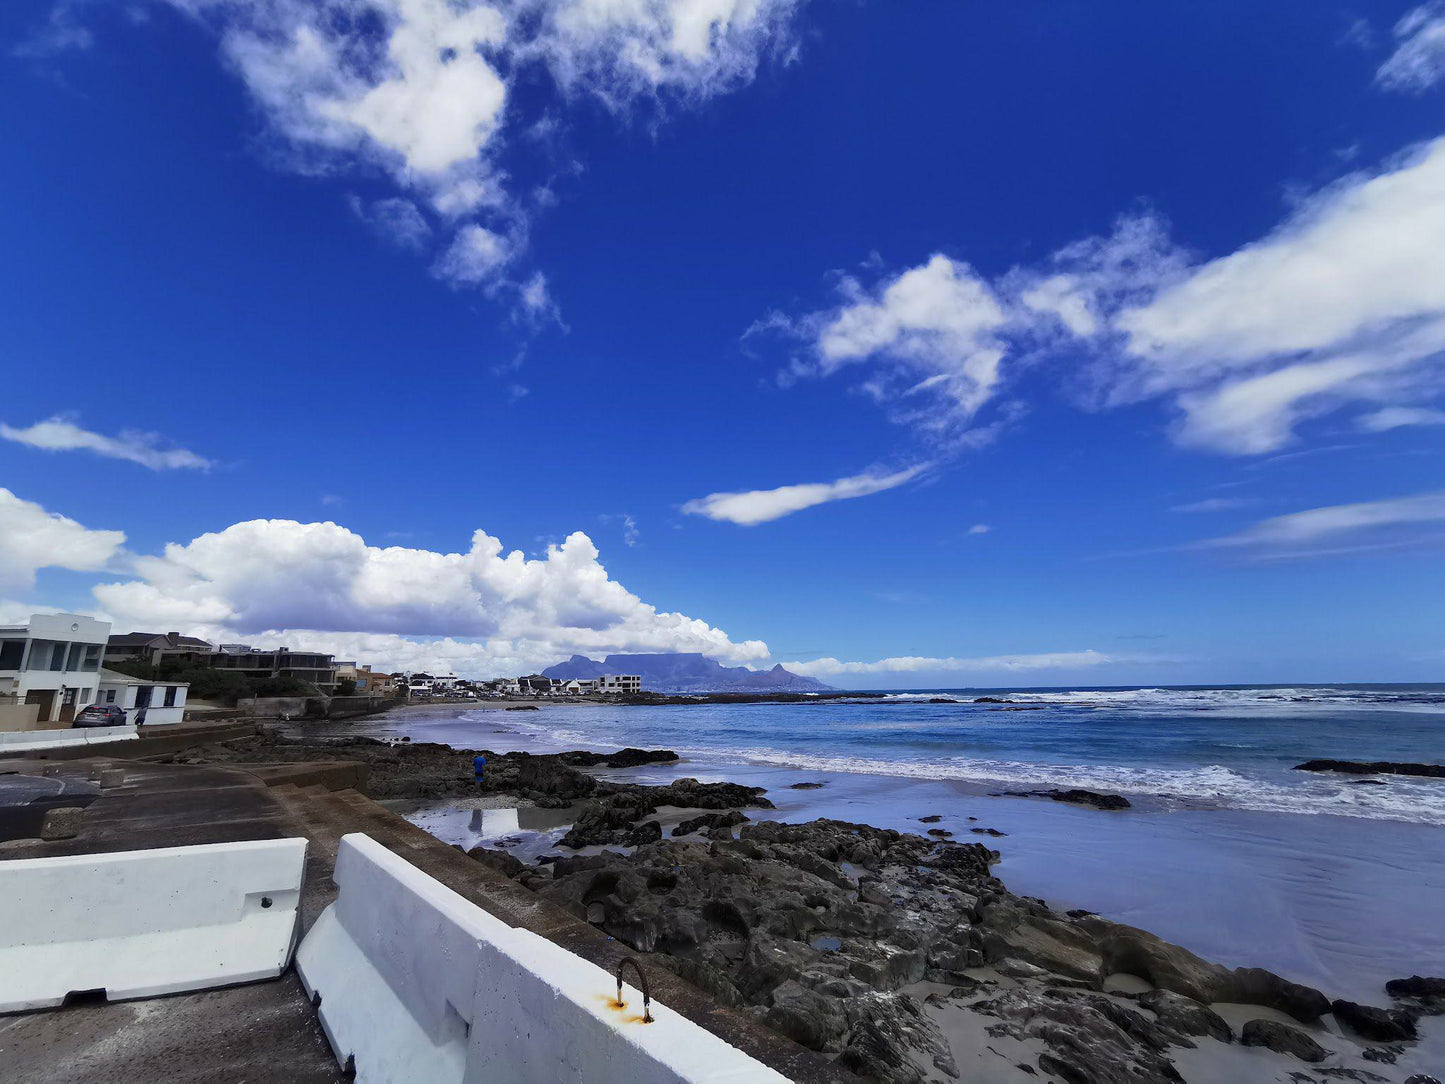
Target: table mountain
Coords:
[[686, 672]]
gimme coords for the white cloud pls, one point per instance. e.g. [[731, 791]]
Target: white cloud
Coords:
[[1331, 522], [980, 528], [473, 257], [620, 49], [1400, 417], [32, 538], [929, 334], [1418, 61], [58, 434], [1058, 660], [422, 89], [763, 505], [280, 581], [1342, 304]]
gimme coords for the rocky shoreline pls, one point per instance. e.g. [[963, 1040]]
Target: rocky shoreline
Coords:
[[900, 955]]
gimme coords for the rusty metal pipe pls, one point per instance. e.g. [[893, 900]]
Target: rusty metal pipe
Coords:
[[642, 984]]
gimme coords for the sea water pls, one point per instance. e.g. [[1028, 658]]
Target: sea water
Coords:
[[1228, 849]]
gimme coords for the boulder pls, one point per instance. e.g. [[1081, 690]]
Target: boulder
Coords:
[[1378, 1025], [1186, 1016], [1282, 1039]]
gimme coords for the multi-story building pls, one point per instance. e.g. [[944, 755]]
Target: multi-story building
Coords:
[[256, 662], [52, 662], [153, 647], [619, 684]]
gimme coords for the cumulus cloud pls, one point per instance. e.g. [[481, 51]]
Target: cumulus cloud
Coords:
[[32, 538], [763, 505], [422, 90], [1342, 305], [59, 434], [930, 336], [1335, 522], [1058, 660], [1418, 62], [282, 581]]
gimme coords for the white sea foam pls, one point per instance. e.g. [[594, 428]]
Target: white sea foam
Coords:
[[1402, 799]]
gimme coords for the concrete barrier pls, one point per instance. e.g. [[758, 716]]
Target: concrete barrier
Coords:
[[143, 923], [416, 983], [27, 741]]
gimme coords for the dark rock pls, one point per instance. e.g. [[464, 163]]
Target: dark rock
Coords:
[[642, 834], [522, 707], [1374, 767], [1185, 1015], [987, 832], [1088, 1038], [1416, 986], [932, 818], [1075, 797], [498, 860], [710, 821], [1374, 1053], [991, 700], [1169, 967], [1282, 1039], [805, 786], [623, 758], [1378, 1025], [940, 833]]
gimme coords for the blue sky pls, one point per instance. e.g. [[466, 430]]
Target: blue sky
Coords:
[[917, 344]]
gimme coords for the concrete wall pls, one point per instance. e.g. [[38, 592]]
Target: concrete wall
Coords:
[[274, 707], [416, 983], [145, 923], [19, 717], [28, 741]]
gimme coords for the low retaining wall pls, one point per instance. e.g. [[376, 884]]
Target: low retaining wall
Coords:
[[144, 923], [416, 983], [29, 741]]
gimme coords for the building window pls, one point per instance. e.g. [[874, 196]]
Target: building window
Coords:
[[92, 658], [110, 696], [170, 696], [74, 657], [12, 653]]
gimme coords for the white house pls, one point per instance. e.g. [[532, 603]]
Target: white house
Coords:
[[53, 662], [619, 684], [160, 701]]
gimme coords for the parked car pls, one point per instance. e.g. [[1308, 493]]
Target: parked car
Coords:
[[101, 715]]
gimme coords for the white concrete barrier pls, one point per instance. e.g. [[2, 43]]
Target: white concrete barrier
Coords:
[[144, 923], [28, 741], [416, 983]]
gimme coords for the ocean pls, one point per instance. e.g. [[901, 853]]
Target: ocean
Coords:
[[1227, 849]]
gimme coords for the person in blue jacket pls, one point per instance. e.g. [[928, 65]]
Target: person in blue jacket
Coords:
[[479, 767]]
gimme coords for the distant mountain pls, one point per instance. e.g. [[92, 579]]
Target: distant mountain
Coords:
[[686, 672]]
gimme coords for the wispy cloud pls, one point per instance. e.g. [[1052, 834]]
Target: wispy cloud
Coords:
[[1332, 523], [763, 505], [59, 434], [1214, 504], [1057, 660], [1418, 62], [1399, 418], [980, 528]]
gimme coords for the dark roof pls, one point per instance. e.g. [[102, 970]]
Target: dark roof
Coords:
[[147, 639]]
